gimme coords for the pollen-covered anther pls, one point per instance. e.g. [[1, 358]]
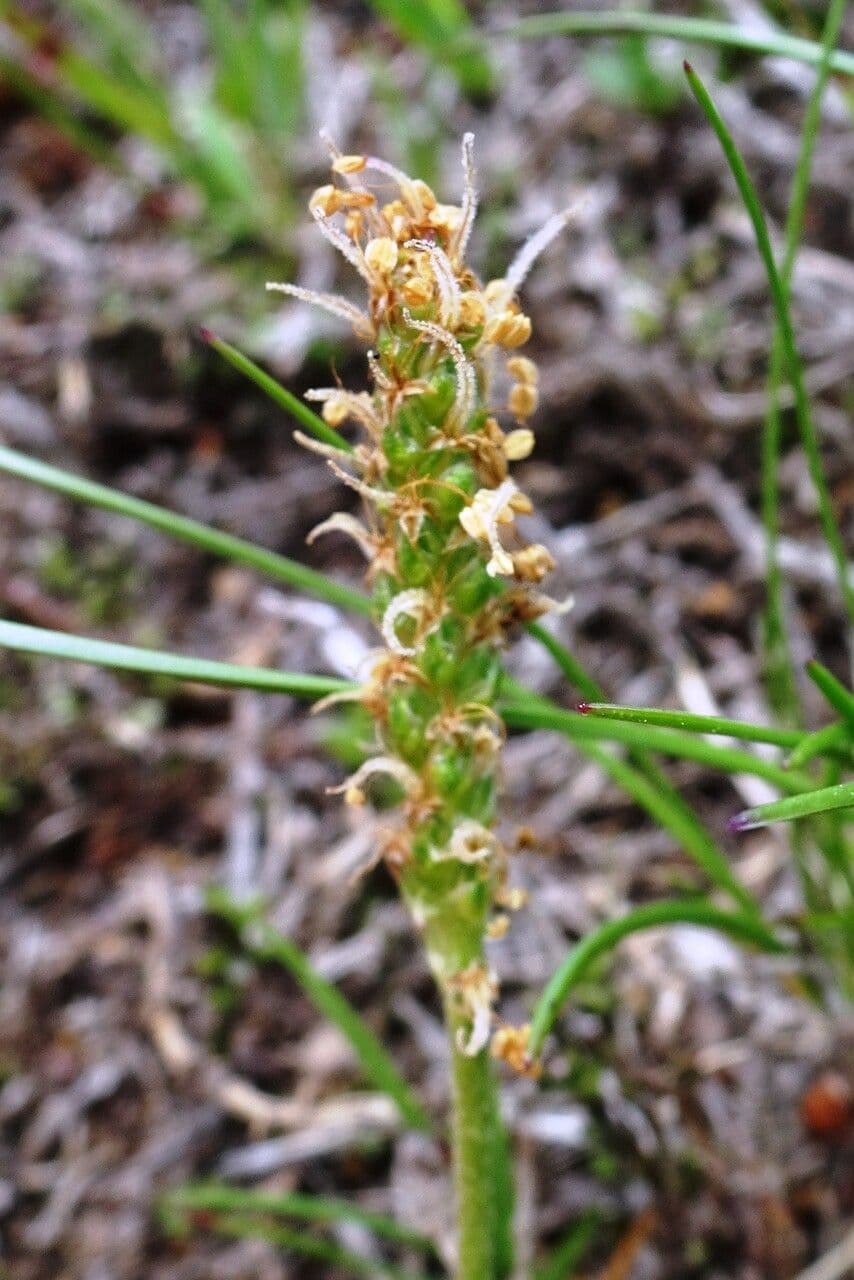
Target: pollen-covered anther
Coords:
[[522, 400], [533, 563], [511, 899], [418, 290], [472, 309], [507, 329], [518, 444], [523, 370], [354, 224], [446, 219], [348, 164], [490, 508], [475, 990], [510, 1045], [381, 255], [325, 199], [498, 927]]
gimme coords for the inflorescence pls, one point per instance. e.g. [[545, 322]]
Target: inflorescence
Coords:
[[449, 570]]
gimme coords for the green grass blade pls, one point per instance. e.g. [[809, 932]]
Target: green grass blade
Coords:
[[184, 529], [443, 29], [648, 785], [280, 395], [539, 713], [220, 1197], [142, 112], [803, 413], [49, 103], [780, 668], [834, 691], [247, 1226], [675, 27], [567, 662], [563, 1260], [688, 721], [672, 813], [825, 800], [833, 737], [122, 39], [743, 927], [42, 643], [265, 943]]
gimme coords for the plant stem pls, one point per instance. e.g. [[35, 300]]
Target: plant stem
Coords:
[[474, 1121]]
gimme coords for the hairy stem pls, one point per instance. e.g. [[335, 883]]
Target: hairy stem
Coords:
[[477, 1176]]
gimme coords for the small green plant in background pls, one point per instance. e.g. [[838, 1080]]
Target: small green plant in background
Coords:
[[227, 133], [449, 578]]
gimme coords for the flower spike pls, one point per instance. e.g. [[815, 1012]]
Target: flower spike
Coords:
[[449, 569]]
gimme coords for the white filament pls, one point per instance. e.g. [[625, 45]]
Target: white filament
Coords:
[[532, 248], [343, 244], [469, 205], [466, 396], [449, 290], [327, 302]]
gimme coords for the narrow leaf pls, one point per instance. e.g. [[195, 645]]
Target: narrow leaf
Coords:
[[803, 413], [247, 1227], [278, 394], [832, 737], [745, 928], [782, 686], [220, 1197], [674, 27], [152, 662], [688, 721], [834, 691], [563, 1260], [215, 541], [824, 800], [540, 713], [265, 943]]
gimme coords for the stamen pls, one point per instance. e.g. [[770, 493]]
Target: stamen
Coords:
[[481, 519], [341, 522], [328, 302], [466, 376], [449, 289], [333, 699], [460, 241], [320, 446], [396, 769], [353, 405], [408, 189], [353, 482], [410, 604], [476, 988]]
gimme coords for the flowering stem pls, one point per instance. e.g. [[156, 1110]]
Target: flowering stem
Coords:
[[477, 1173]]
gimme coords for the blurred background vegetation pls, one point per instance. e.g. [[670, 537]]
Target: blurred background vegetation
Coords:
[[157, 157]]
